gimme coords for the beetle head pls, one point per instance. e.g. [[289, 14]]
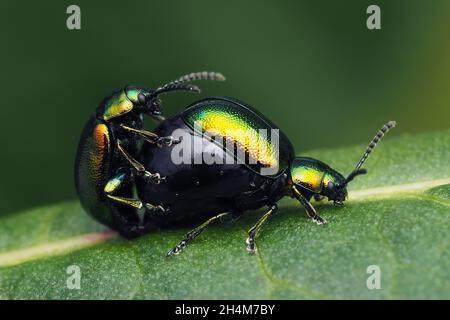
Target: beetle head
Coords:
[[338, 192], [151, 104]]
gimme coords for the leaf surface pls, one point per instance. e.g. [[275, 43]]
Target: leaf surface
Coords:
[[397, 217]]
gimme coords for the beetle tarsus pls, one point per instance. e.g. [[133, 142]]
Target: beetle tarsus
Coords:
[[167, 141], [151, 137], [338, 203], [251, 246], [179, 247], [154, 178], [155, 210], [254, 231], [319, 220]]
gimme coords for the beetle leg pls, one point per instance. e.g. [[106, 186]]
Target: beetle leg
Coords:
[[127, 222], [308, 207], [146, 135], [115, 183], [139, 168], [151, 137], [194, 233], [254, 231], [135, 203]]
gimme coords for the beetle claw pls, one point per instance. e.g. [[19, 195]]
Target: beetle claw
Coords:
[[319, 220], [338, 203], [251, 246], [156, 209], [154, 178], [167, 141], [176, 250]]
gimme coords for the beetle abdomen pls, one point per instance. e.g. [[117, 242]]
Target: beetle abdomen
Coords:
[[92, 167], [242, 126]]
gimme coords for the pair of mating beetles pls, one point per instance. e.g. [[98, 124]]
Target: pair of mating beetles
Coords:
[[126, 179]]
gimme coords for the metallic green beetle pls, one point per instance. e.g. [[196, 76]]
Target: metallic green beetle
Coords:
[[105, 165]]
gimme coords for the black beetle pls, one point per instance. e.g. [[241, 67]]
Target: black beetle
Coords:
[[217, 157]]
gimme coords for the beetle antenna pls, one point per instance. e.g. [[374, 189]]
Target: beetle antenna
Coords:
[[180, 83], [357, 171], [194, 76], [174, 87]]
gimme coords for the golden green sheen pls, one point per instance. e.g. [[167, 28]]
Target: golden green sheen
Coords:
[[237, 128]]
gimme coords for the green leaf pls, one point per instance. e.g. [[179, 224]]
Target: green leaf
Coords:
[[397, 217]]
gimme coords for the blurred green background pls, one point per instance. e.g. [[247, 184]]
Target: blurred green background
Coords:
[[311, 66]]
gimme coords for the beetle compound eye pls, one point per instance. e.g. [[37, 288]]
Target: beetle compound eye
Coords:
[[142, 100]]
